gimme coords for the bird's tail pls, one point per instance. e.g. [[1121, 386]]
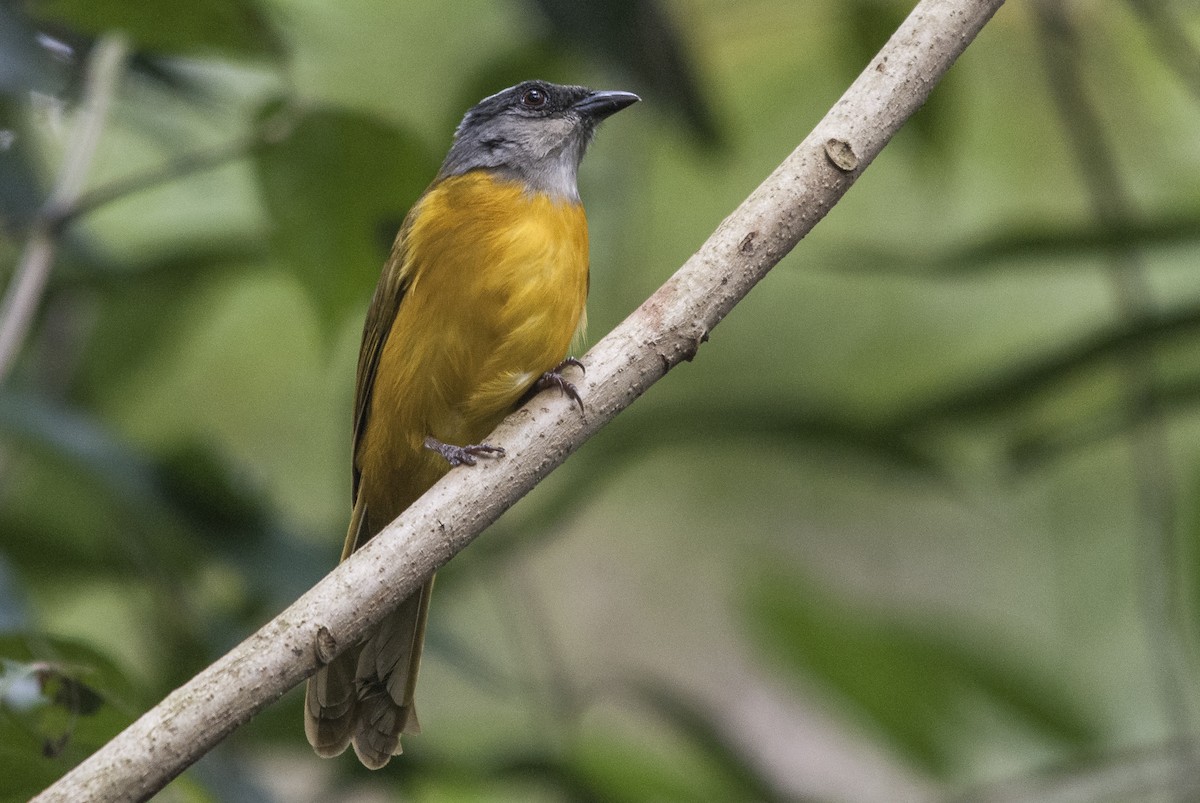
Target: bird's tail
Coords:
[[364, 697]]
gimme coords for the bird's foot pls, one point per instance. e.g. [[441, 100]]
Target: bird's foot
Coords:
[[462, 455], [554, 379]]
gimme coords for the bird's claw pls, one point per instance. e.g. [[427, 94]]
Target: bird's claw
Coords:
[[462, 455], [554, 379]]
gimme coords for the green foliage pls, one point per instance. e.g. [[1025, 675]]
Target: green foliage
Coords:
[[937, 406], [926, 691], [59, 701], [239, 28], [337, 186]]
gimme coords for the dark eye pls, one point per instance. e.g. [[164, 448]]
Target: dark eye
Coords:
[[534, 98]]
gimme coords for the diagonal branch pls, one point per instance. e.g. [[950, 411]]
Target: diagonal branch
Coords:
[[666, 330]]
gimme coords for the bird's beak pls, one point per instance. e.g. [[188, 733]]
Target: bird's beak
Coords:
[[599, 105]]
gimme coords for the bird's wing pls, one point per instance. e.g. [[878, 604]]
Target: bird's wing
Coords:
[[393, 282]]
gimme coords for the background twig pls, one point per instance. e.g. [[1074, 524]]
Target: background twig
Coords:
[[29, 281]]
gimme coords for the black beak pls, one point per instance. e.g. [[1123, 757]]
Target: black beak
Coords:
[[599, 105]]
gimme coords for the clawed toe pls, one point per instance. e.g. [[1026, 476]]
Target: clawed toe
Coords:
[[555, 379], [462, 455]]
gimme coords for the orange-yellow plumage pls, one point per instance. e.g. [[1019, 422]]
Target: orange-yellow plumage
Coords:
[[496, 286]]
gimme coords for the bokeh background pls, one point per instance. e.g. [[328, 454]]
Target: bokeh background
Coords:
[[919, 522]]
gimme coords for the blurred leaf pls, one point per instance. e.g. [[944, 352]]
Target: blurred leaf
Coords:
[[1023, 243], [745, 782], [917, 686], [199, 485], [14, 613], [1012, 384], [1026, 246], [24, 65], [461, 781], [90, 507], [1189, 539], [712, 422], [192, 486], [21, 190], [139, 305], [337, 188], [1168, 31], [678, 753], [639, 37], [229, 27], [621, 769], [55, 430], [59, 701]]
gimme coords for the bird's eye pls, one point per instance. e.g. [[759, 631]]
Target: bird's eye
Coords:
[[534, 98]]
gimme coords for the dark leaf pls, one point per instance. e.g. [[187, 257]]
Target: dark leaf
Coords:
[[21, 187], [192, 486], [1013, 384], [195, 482], [50, 429], [1023, 243], [330, 186], [227, 27]]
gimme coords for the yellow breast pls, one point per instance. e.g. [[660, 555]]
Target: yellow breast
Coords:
[[497, 283]]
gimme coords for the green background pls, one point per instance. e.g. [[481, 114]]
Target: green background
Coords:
[[919, 522]]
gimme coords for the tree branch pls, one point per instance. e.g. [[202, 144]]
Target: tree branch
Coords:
[[666, 330]]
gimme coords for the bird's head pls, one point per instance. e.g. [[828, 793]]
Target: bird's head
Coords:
[[535, 131]]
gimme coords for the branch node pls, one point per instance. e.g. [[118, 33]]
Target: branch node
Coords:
[[325, 646], [841, 155], [746, 246]]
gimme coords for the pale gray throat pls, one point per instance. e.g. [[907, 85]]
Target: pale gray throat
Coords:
[[554, 171]]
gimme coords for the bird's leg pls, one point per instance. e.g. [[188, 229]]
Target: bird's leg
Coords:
[[462, 455], [554, 379]]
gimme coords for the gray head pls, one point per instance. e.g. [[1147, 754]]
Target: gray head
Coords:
[[534, 131]]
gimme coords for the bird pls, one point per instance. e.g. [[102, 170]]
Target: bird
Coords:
[[476, 308]]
